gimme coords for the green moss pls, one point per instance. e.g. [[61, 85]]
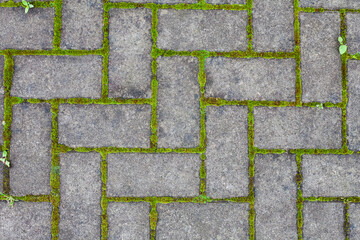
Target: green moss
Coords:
[[104, 200], [153, 220], [300, 200], [57, 24], [347, 221], [251, 171], [249, 28]]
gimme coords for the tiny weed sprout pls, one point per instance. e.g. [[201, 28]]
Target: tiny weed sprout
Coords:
[[343, 47], [9, 199], [320, 106], [27, 5], [3, 159]]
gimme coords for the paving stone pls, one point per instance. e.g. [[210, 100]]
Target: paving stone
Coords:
[[2, 95], [25, 219], [49, 77], [227, 161], [291, 127], [82, 24], [157, 1], [128, 221], [331, 175], [226, 1], [251, 79], [80, 191], [320, 57], [104, 125], [178, 106], [275, 194], [353, 106], [140, 175], [354, 219], [273, 25], [130, 58], [26, 31], [213, 30], [30, 149], [202, 221], [333, 4], [353, 32], [323, 220]]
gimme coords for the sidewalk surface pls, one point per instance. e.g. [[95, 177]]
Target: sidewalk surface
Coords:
[[180, 119]]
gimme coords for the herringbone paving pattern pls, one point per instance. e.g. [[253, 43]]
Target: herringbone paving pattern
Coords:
[[180, 119]]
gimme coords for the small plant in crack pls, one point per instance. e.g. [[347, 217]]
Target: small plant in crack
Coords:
[[27, 5], [320, 106], [9, 199], [343, 47], [3, 159]]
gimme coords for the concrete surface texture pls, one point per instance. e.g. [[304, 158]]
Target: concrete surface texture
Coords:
[[180, 119]]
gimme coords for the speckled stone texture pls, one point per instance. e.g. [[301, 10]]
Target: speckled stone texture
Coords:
[[26, 31], [323, 220], [178, 102], [320, 58], [273, 23], [130, 59], [26, 220], [80, 190], [331, 175], [353, 107], [354, 218], [49, 77], [82, 24], [128, 221], [202, 221], [142, 175], [333, 4], [251, 79], [30, 149], [104, 125], [289, 127], [275, 194], [215, 30], [353, 32], [227, 152]]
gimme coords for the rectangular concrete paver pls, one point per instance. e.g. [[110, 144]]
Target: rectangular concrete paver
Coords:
[[227, 161], [320, 57], [202, 221], [130, 59], [26, 31], [214, 30], [251, 79], [141, 175], [331, 175], [25, 220], [128, 221], [323, 220], [353, 106], [353, 32], [275, 197], [104, 125], [292, 127], [354, 219], [330, 4], [82, 24], [273, 24], [178, 102], [30, 149], [80, 191], [49, 77]]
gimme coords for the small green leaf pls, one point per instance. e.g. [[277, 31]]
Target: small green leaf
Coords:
[[4, 154], [2, 160], [27, 9], [24, 2], [342, 49], [7, 163], [31, 6], [340, 39]]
